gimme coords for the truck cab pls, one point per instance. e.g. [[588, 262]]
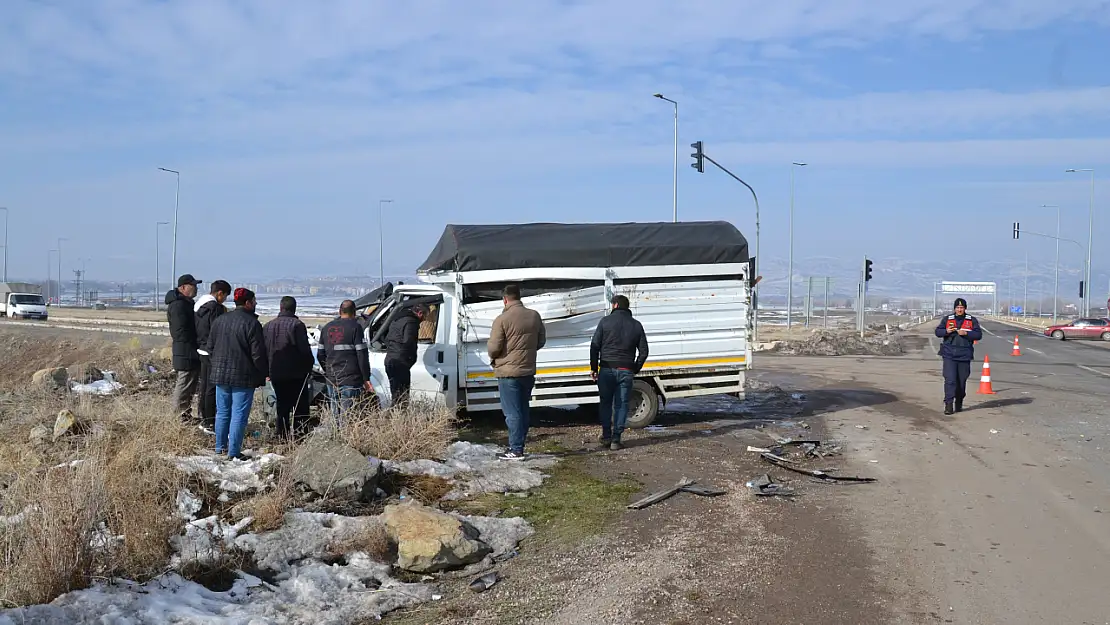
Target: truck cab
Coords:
[[22, 301]]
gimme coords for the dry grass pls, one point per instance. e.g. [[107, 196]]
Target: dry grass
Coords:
[[405, 433], [113, 475], [373, 540], [268, 508]]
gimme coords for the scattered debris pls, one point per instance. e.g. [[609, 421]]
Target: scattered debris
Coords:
[[822, 475], [485, 582], [758, 450], [842, 343], [861, 427], [106, 385], [994, 431], [655, 428], [764, 486], [684, 485]]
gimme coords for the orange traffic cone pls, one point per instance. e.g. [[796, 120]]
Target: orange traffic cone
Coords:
[[1017, 347], [985, 379]]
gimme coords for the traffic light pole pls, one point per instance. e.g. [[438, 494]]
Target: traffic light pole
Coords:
[[698, 147]]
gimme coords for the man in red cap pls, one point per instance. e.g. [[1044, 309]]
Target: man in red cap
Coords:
[[239, 366]]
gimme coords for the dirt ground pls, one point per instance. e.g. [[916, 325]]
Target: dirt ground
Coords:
[[995, 515]]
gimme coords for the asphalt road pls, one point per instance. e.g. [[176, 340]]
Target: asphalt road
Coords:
[[999, 514]]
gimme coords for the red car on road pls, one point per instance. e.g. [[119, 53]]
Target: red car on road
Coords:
[[1092, 328]]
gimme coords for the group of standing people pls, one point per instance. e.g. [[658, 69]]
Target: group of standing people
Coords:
[[222, 356], [618, 351]]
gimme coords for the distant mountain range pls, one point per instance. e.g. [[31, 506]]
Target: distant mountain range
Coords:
[[912, 278]]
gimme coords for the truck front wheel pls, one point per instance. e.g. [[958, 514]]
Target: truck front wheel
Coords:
[[643, 404]]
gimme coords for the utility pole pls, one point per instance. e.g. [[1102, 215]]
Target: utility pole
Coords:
[[60, 239], [381, 243], [5, 209], [825, 320], [675, 188]]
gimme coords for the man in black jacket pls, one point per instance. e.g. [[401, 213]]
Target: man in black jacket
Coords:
[[344, 356], [400, 351], [206, 310], [183, 332], [238, 367], [618, 351], [291, 360]]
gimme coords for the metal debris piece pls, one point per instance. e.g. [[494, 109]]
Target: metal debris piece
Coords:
[[704, 491], [485, 582], [758, 450], [822, 475], [764, 486], [684, 485]]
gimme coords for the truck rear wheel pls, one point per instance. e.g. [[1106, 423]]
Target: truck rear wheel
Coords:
[[643, 404]]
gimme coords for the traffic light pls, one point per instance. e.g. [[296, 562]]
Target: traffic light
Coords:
[[867, 270], [699, 157], [1017, 230], [1081, 289]]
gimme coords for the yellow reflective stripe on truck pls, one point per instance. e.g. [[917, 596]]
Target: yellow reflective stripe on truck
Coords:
[[660, 364]]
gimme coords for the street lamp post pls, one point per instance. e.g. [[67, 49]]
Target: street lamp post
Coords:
[[4, 208], [176, 205], [381, 242], [1090, 240], [157, 260], [49, 290], [675, 190], [790, 262]]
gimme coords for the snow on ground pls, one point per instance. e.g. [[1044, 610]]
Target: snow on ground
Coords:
[[233, 476], [107, 386], [475, 469]]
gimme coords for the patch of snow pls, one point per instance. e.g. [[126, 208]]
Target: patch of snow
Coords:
[[102, 538], [15, 519], [235, 476], [205, 540], [301, 535], [314, 593], [188, 505], [107, 386], [475, 469]]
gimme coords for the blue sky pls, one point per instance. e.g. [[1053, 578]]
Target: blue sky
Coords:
[[929, 125]]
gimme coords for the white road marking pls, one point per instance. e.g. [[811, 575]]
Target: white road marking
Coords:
[[989, 332], [1092, 370], [1035, 351]]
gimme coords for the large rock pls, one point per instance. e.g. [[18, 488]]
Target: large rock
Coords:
[[85, 374], [40, 434], [56, 377], [429, 540], [334, 469], [66, 423]]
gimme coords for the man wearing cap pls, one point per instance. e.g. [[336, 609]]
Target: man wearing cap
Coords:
[[183, 331], [959, 332]]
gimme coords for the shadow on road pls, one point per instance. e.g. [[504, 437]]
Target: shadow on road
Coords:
[[1000, 403]]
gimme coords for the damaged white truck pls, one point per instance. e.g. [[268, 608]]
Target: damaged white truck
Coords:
[[689, 284]]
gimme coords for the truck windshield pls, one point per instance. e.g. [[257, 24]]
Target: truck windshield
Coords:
[[27, 300]]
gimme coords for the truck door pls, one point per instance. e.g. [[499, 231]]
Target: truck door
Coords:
[[435, 376]]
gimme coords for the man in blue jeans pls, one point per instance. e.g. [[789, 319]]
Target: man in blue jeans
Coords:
[[345, 358], [618, 351], [238, 366], [515, 338]]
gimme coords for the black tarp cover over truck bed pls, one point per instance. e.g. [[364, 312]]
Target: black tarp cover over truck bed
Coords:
[[516, 246]]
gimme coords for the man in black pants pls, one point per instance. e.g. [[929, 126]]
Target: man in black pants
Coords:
[[206, 310], [959, 331], [290, 358], [400, 351], [618, 352]]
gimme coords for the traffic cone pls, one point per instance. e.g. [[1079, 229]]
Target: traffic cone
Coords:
[[1017, 347], [985, 379]]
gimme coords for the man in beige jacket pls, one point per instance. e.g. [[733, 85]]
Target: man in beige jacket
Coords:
[[517, 335]]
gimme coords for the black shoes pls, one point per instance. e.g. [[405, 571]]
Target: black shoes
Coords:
[[948, 408], [959, 405]]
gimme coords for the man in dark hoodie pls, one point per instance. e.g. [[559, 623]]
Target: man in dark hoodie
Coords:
[[618, 352], [400, 351], [291, 361], [205, 311], [239, 366], [959, 332], [183, 332]]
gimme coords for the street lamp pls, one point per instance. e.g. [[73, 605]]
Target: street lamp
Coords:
[[1090, 239], [4, 208], [176, 204], [49, 291], [675, 200], [790, 263], [157, 260], [381, 242]]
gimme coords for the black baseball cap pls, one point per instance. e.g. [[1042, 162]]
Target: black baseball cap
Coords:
[[188, 279]]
